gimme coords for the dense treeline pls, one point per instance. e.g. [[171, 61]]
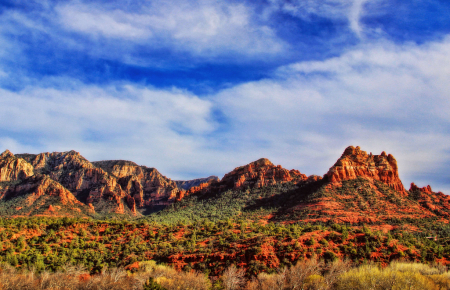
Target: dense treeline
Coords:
[[210, 247]]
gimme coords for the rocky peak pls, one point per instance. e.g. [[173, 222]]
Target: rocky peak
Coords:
[[119, 168], [425, 189], [259, 173], [6, 154], [57, 161], [355, 162]]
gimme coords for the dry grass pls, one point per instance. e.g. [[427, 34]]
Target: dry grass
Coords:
[[311, 274], [70, 278], [75, 278], [395, 276]]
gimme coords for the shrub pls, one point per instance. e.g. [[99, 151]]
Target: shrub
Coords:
[[152, 285], [233, 278]]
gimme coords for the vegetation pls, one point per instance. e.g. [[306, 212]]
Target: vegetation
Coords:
[[47, 244], [255, 238], [311, 274]]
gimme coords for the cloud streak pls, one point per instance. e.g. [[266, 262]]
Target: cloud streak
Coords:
[[204, 29]]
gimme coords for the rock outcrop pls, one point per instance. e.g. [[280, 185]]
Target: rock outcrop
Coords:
[[116, 186], [253, 175], [65, 183], [435, 201], [88, 183], [13, 168], [354, 163], [260, 173], [147, 186], [35, 194], [425, 189]]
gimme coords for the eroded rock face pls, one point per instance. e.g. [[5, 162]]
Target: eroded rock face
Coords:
[[89, 184], [147, 186], [354, 163], [39, 190], [13, 168], [108, 186], [254, 175], [260, 173], [425, 189]]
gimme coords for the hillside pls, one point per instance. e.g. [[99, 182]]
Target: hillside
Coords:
[[259, 216], [358, 188]]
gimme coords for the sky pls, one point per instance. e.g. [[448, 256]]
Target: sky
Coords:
[[197, 88]]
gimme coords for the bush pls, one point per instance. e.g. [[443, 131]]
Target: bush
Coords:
[[395, 276], [152, 285]]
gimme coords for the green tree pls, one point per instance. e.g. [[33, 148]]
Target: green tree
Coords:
[[152, 285]]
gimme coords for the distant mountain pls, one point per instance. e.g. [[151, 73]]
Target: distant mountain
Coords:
[[187, 184], [359, 187]]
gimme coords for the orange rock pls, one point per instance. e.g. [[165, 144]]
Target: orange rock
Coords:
[[255, 174], [425, 189], [13, 168], [354, 162]]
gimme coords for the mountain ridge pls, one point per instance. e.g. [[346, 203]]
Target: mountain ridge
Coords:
[[126, 188]]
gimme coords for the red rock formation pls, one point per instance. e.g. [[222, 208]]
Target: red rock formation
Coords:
[[435, 201], [131, 204], [260, 173], [187, 184], [146, 185], [256, 174], [354, 162], [92, 185], [39, 188], [426, 189], [13, 168]]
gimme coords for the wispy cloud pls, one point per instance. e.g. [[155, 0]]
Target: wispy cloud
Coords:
[[350, 10], [355, 16], [202, 28], [379, 96]]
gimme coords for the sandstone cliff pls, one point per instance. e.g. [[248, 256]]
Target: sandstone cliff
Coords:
[[434, 201], [13, 168], [147, 186], [354, 162], [31, 193], [89, 184]]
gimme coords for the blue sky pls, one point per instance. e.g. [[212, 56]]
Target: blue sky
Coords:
[[197, 88]]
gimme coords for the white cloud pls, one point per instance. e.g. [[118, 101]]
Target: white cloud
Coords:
[[382, 97], [149, 126], [355, 16], [350, 10], [379, 96], [115, 24], [202, 28]]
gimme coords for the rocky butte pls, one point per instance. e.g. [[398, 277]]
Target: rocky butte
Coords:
[[354, 162]]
